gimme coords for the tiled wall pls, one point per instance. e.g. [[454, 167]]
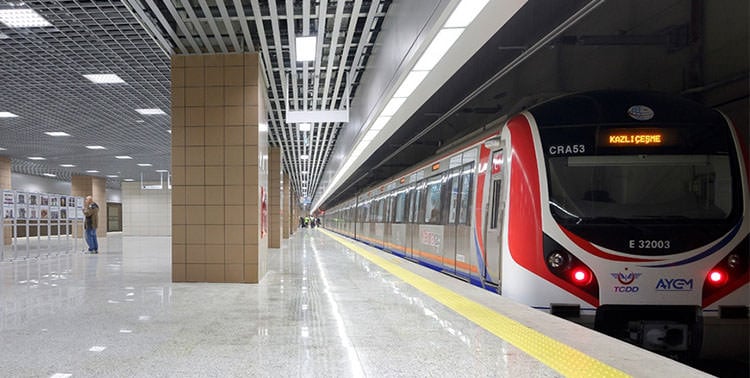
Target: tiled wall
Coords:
[[146, 212], [219, 165], [5, 184]]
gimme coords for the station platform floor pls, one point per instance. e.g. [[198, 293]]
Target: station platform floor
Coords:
[[328, 307]]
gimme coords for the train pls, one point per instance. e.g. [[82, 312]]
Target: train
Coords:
[[626, 208]]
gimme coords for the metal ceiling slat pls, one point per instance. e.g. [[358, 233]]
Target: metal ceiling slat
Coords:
[[240, 9], [212, 24], [322, 11], [159, 16], [292, 51], [193, 19], [228, 24], [332, 53], [153, 30], [181, 24]]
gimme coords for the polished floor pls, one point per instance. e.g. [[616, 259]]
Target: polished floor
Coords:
[[321, 311]]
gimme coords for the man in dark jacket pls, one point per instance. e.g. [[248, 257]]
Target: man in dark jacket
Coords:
[[91, 211]]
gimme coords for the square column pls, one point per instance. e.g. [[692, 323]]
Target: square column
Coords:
[[5, 184], [275, 196], [219, 169], [286, 217]]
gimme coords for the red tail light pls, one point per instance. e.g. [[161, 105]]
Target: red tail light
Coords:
[[581, 276], [717, 277]]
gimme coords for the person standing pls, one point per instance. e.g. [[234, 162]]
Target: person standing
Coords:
[[91, 211]]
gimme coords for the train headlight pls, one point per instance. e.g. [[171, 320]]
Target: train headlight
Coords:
[[557, 260], [733, 261]]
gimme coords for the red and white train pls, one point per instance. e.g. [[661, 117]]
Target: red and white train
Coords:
[[630, 208]]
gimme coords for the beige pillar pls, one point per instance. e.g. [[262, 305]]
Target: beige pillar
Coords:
[[5, 184], [286, 209], [82, 186], [219, 169], [274, 198]]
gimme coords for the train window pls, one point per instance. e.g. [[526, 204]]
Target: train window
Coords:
[[453, 184], [495, 204], [419, 209], [413, 204], [467, 180], [380, 210], [400, 206], [432, 200]]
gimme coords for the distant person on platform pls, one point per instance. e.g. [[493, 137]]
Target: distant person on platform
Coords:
[[91, 211]]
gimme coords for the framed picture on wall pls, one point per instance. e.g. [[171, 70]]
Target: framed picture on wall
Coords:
[[21, 198], [33, 212], [44, 200], [53, 200], [63, 213], [21, 210], [71, 201], [63, 201], [8, 211], [33, 199]]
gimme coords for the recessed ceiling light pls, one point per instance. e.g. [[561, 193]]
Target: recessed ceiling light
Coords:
[[304, 157], [56, 133], [7, 115], [144, 165], [67, 165], [304, 172], [113, 176], [392, 107], [305, 126], [161, 170], [36, 158], [169, 131], [22, 18], [123, 157], [3, 149], [437, 48], [96, 147], [92, 171], [104, 78], [139, 121], [305, 48], [128, 180], [49, 174], [152, 111]]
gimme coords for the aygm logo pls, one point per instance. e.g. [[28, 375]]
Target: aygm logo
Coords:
[[626, 279], [674, 284]]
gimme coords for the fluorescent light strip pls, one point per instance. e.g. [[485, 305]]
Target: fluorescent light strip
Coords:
[[67, 165], [128, 180], [123, 157], [96, 147], [144, 165], [104, 78], [7, 115], [36, 158], [411, 83], [113, 176], [392, 107], [49, 174], [56, 133], [465, 13], [305, 126], [92, 171], [151, 111], [437, 49], [305, 48], [22, 18], [161, 170]]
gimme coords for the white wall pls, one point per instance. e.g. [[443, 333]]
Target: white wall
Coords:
[[39, 184], [146, 212]]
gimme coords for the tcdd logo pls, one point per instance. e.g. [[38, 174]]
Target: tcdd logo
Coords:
[[626, 279], [674, 284]]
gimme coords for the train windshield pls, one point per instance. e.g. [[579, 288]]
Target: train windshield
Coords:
[[601, 174]]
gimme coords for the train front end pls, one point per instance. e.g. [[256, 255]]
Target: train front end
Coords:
[[644, 214]]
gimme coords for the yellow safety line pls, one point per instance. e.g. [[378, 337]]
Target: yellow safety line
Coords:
[[558, 356]]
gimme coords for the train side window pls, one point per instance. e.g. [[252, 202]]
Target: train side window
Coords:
[[495, 205], [421, 195], [467, 180], [400, 206], [380, 210], [413, 204], [453, 186], [432, 200]]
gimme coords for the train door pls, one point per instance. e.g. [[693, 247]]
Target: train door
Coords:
[[494, 219], [450, 216], [465, 259], [414, 209]]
